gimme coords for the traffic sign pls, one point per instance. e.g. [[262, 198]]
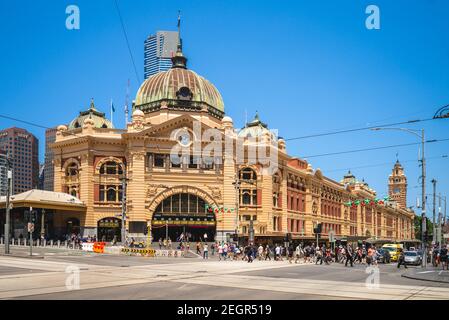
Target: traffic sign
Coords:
[[446, 236], [331, 236], [30, 227]]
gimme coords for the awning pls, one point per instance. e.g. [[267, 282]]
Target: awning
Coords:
[[42, 199]]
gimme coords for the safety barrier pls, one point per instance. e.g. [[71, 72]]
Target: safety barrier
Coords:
[[98, 247], [152, 252], [87, 246], [138, 251]]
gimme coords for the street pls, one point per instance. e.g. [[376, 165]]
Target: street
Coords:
[[124, 277]]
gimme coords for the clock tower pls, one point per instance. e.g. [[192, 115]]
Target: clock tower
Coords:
[[397, 185]]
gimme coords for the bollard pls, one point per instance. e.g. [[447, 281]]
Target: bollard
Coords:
[[1, 240], [66, 244], [38, 242], [51, 243], [59, 243]]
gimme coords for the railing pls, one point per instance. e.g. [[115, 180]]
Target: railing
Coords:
[[24, 242]]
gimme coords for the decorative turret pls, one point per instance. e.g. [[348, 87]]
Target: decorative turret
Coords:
[[397, 185]]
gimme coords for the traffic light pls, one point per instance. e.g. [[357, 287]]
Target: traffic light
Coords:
[[31, 216], [318, 228]]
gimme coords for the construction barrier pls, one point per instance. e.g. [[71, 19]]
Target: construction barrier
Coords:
[[152, 252], [138, 251], [112, 250], [88, 246], [98, 247]]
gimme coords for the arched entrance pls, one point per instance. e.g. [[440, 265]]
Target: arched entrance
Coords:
[[108, 228], [183, 214], [73, 226]]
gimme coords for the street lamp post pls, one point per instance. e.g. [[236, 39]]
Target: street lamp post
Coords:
[[8, 196], [124, 184], [434, 236], [423, 183]]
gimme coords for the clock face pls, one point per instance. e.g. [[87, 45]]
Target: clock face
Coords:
[[396, 190], [184, 139]]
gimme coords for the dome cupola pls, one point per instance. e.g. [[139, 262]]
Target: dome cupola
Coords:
[[179, 89], [96, 117]]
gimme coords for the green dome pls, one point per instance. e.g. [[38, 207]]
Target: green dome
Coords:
[[98, 118], [175, 85], [256, 129]]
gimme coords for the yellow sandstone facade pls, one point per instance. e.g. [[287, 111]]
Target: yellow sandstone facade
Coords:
[[237, 189]]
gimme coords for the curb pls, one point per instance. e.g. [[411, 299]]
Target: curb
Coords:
[[20, 256], [423, 279]]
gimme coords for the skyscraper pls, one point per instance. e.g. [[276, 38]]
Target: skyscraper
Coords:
[[3, 173], [23, 148], [50, 137], [159, 49]]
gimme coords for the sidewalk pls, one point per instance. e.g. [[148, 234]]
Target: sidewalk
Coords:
[[428, 274]]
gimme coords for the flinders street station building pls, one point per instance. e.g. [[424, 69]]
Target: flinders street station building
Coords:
[[180, 166]]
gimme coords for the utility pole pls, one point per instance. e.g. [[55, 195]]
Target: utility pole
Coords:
[[434, 235], [423, 196], [8, 209], [123, 233], [236, 184], [166, 231], [439, 221]]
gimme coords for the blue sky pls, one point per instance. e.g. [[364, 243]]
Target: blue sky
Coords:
[[306, 66]]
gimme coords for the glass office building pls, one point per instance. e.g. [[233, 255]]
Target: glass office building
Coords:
[[159, 49]]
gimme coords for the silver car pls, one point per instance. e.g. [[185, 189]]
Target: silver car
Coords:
[[412, 257]]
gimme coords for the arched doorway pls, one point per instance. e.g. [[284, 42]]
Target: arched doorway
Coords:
[[108, 228], [183, 214], [72, 226]]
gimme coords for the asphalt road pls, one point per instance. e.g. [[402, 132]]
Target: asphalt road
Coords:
[[124, 277]]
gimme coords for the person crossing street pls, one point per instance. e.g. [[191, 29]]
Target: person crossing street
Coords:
[[401, 259], [349, 254]]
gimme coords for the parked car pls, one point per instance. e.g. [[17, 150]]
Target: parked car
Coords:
[[412, 258]]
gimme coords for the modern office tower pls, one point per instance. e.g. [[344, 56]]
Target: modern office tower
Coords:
[[3, 174], [159, 49], [22, 147], [49, 171]]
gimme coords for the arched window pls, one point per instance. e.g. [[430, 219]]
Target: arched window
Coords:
[[72, 170], [248, 187], [247, 174], [111, 167], [111, 193], [182, 203]]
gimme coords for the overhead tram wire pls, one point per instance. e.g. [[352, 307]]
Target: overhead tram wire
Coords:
[[127, 41], [359, 129], [303, 157], [381, 164], [373, 148]]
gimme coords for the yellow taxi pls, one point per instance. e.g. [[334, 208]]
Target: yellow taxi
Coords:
[[393, 249]]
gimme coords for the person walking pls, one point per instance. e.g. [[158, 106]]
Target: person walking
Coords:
[[277, 252], [267, 252], [349, 253], [225, 251], [319, 256], [198, 248], [297, 253], [205, 251], [290, 253], [444, 257], [260, 252], [401, 259], [220, 252], [212, 247]]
